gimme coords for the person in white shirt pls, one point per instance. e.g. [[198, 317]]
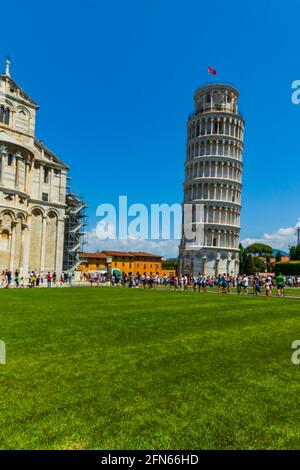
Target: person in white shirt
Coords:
[[245, 284]]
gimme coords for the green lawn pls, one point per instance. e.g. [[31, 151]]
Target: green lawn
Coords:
[[112, 368]]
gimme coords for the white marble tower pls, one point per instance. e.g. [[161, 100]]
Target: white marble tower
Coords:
[[213, 182]]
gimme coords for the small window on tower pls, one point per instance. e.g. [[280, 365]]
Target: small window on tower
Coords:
[[46, 175], [10, 159], [45, 197]]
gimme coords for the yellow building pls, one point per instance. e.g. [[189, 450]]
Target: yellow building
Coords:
[[92, 262], [123, 261]]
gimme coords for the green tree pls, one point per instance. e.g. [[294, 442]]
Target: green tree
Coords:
[[295, 253], [259, 249], [278, 257], [292, 253], [249, 265], [170, 264], [259, 264], [243, 258]]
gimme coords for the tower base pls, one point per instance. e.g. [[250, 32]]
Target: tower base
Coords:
[[209, 261]]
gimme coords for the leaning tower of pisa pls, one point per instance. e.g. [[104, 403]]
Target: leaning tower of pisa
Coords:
[[213, 182]]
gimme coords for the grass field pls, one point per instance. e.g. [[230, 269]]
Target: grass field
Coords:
[[109, 368]]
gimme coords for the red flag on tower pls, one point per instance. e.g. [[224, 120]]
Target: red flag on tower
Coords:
[[211, 71]]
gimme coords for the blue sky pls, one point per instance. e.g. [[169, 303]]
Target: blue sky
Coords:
[[115, 81]]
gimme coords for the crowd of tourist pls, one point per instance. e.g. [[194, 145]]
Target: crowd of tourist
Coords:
[[244, 284], [34, 279], [201, 283], [224, 283]]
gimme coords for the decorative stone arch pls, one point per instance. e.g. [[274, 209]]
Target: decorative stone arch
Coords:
[[24, 109], [7, 103], [52, 213], [6, 111], [21, 216], [37, 209], [22, 118], [9, 212], [4, 217]]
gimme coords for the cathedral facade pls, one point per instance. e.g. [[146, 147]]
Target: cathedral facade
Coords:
[[32, 188]]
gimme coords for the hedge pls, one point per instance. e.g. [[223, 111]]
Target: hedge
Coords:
[[291, 268]]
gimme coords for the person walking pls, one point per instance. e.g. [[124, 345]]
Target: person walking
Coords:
[[245, 284], [280, 285], [17, 278], [49, 277], [8, 278]]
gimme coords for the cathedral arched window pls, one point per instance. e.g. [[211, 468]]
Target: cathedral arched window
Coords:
[[4, 115]]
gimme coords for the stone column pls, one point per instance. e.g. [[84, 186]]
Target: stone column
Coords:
[[59, 245], [25, 175], [18, 157], [219, 238], [226, 215], [225, 237], [12, 246], [4, 153], [43, 243], [228, 266], [63, 178], [40, 181], [27, 178], [51, 176], [227, 192], [25, 248], [217, 265], [212, 214]]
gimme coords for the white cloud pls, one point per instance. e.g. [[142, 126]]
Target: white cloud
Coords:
[[281, 239], [165, 248]]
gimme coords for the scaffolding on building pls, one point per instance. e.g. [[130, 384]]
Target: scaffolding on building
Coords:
[[75, 223]]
